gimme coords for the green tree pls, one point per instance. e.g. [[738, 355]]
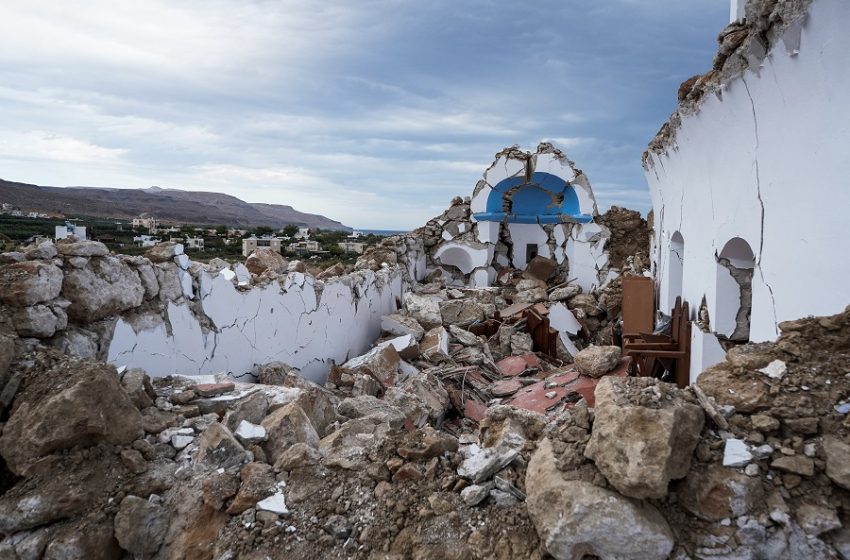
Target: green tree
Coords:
[[263, 230], [290, 230]]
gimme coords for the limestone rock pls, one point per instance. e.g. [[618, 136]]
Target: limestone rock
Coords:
[[164, 252], [83, 541], [105, 286], [424, 308], [560, 294], [140, 526], [138, 386], [747, 392], [718, 493], [248, 433], [28, 283], [82, 248], [541, 268], [587, 304], [795, 464], [43, 251], [217, 448], [286, 426], [263, 259], [435, 342], [837, 461], [640, 446], [40, 321], [381, 361], [596, 361], [461, 311], [275, 373], [401, 325], [72, 402], [257, 483], [368, 406], [575, 518]]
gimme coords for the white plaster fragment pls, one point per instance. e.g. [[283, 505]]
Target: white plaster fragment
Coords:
[[249, 433], [276, 503], [562, 319], [775, 369], [183, 261], [736, 453]]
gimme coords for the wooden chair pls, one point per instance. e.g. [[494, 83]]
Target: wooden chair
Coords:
[[653, 354]]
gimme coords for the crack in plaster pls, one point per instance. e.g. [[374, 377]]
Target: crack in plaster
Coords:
[[761, 203]]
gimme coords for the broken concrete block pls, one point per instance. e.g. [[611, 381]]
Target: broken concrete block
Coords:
[[596, 361], [641, 444], [401, 325], [576, 518]]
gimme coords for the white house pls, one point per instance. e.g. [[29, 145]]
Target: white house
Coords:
[[70, 231], [749, 180], [145, 240]]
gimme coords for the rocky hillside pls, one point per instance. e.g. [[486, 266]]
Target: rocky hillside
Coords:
[[170, 205]]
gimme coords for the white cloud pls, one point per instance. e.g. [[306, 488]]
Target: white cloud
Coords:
[[375, 113], [41, 145]]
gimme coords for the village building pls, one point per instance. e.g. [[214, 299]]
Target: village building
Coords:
[[352, 246], [70, 231], [250, 244]]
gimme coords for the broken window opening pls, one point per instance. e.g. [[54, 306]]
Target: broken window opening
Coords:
[[676, 269], [530, 252], [734, 294]]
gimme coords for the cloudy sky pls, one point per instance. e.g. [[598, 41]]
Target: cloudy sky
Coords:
[[373, 112]]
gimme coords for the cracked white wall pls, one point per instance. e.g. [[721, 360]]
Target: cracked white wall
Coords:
[[767, 163], [263, 324]]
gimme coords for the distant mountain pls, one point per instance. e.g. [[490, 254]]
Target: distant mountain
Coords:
[[167, 205]]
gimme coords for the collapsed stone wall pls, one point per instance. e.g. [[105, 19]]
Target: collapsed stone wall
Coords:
[[167, 314]]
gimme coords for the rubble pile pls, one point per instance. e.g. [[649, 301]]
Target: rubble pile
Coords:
[[389, 460]]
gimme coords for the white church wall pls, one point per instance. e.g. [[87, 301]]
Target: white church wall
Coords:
[[766, 162]]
